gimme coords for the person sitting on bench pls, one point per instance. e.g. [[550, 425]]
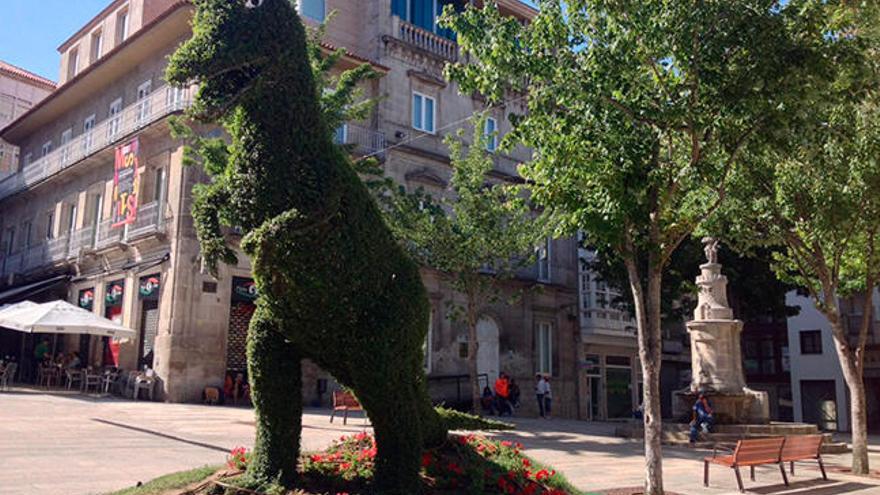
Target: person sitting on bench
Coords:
[[701, 417]]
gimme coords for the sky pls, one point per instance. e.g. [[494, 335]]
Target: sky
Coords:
[[32, 30]]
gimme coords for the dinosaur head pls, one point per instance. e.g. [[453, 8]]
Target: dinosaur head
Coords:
[[232, 45]]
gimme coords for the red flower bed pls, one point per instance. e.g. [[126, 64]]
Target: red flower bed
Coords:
[[466, 464]]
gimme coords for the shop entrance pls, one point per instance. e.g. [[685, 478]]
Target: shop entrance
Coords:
[[618, 387]]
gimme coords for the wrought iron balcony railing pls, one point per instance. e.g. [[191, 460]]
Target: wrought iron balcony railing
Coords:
[[160, 103]]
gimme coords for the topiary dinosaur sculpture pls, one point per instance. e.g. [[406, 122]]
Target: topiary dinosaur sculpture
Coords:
[[335, 286]]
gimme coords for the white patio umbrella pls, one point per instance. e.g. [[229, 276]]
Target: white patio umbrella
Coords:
[[7, 308], [61, 317]]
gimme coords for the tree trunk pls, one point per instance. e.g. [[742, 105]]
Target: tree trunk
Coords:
[[859, 426], [473, 347], [852, 375], [647, 309]]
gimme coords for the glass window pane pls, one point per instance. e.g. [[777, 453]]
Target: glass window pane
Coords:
[[429, 115], [313, 9], [417, 111]]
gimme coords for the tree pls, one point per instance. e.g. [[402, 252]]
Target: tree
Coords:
[[476, 237], [818, 195], [638, 111]]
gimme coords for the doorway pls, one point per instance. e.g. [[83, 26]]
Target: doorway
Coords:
[[149, 329], [618, 384], [819, 403], [488, 360]]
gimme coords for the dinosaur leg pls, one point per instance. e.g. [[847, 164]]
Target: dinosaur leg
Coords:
[[275, 372], [395, 418], [434, 431]]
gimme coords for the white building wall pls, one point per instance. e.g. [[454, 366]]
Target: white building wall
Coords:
[[825, 366]]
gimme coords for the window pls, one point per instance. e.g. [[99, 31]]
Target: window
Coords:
[[65, 145], [28, 158], [114, 122], [423, 113], [50, 224], [121, 26], [424, 13], [544, 341], [313, 9], [143, 103], [97, 45], [71, 219], [88, 134], [543, 255], [97, 203], [28, 229], [490, 129], [159, 187], [175, 97], [72, 63], [10, 240], [811, 342], [427, 345], [46, 149]]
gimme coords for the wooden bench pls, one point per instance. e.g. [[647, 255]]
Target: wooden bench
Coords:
[[803, 448], [751, 453], [344, 401]]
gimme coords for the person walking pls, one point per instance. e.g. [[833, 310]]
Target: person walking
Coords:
[[541, 388], [548, 397]]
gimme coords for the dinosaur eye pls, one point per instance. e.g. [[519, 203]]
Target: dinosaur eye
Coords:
[[252, 3]]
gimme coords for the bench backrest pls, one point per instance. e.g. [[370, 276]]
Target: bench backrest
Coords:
[[341, 398], [753, 451], [801, 447]]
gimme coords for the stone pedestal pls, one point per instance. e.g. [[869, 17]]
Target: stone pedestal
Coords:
[[716, 355]]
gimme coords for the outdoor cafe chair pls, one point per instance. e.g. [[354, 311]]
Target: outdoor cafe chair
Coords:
[[143, 382], [108, 380], [91, 378], [73, 375], [48, 375], [8, 375]]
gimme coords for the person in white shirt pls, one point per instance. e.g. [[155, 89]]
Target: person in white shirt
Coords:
[[542, 391]]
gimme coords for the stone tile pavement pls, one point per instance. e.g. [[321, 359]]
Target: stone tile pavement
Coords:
[[59, 443]]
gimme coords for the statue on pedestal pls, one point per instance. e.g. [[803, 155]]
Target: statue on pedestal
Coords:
[[716, 355]]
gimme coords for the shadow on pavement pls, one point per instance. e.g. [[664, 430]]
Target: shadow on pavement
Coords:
[[161, 435], [814, 487]]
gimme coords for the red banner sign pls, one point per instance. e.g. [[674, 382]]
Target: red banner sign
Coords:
[[125, 184]]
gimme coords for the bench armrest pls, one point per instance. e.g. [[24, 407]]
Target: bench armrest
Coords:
[[716, 448]]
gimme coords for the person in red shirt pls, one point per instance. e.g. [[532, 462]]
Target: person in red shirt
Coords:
[[502, 394]]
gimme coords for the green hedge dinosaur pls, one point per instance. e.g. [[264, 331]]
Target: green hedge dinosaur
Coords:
[[335, 286]]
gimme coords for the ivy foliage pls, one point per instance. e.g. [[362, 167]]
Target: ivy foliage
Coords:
[[477, 234], [333, 281]]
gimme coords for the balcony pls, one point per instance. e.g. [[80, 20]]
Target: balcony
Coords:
[[152, 218], [56, 249], [156, 106], [80, 241], [361, 141], [423, 40]]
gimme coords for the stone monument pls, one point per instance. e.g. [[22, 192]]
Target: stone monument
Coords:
[[716, 355]]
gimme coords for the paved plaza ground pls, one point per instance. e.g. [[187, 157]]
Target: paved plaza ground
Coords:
[[55, 443]]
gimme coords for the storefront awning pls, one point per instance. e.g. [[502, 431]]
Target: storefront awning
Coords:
[[16, 294]]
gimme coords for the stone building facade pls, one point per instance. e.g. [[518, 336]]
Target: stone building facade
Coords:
[[148, 273], [19, 91]]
